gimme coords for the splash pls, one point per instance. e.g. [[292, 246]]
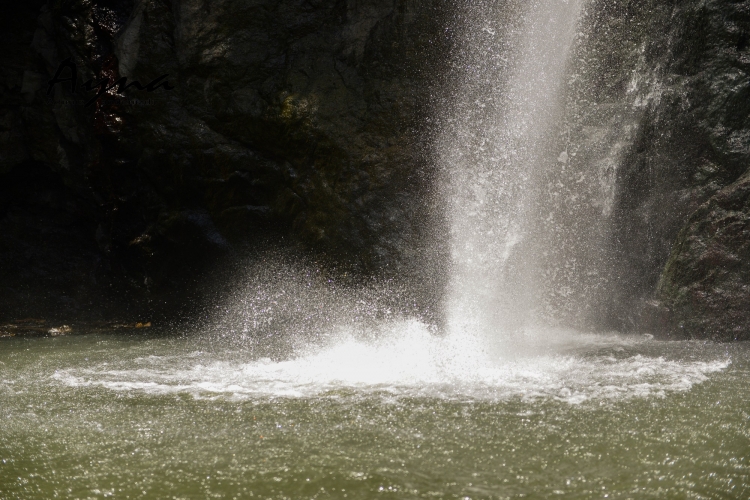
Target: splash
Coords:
[[407, 360]]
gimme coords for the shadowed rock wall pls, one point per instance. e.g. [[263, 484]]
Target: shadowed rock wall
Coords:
[[659, 112], [680, 201], [289, 120]]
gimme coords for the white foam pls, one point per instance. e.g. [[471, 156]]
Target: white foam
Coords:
[[409, 361]]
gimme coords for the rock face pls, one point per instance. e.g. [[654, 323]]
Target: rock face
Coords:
[[706, 283], [679, 200], [656, 133], [309, 122], [287, 119]]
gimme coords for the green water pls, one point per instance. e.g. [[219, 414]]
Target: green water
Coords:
[[98, 416]]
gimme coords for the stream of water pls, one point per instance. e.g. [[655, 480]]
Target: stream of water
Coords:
[[494, 149]]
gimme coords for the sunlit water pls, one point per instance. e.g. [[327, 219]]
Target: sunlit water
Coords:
[[409, 415]]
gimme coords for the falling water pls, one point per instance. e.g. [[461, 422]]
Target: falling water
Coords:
[[505, 110]]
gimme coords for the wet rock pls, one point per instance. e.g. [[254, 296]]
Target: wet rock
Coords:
[[706, 282], [60, 330], [683, 70], [699, 137]]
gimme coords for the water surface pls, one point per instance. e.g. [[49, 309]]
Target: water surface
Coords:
[[408, 415]]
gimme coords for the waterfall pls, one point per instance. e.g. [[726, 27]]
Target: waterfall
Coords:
[[496, 136]]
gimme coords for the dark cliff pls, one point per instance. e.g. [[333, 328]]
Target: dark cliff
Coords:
[[650, 229], [309, 123], [681, 214], [292, 120]]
